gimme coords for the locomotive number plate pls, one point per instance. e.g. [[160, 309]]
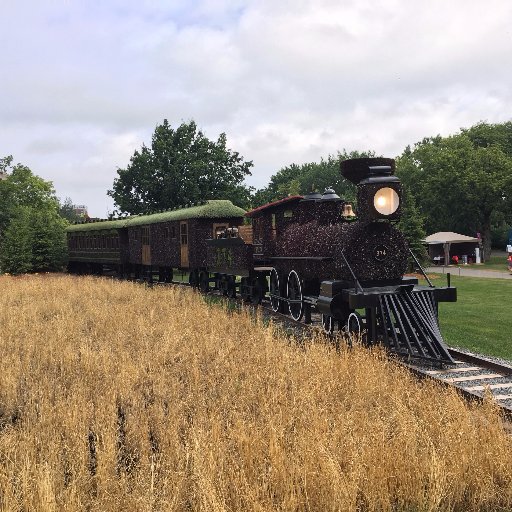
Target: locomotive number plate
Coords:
[[380, 252]]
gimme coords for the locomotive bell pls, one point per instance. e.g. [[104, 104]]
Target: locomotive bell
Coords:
[[378, 190], [347, 211]]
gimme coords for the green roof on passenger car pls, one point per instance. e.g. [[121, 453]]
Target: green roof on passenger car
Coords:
[[214, 208], [97, 226]]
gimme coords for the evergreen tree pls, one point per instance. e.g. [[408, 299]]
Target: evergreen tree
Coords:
[[48, 239], [16, 251], [412, 225]]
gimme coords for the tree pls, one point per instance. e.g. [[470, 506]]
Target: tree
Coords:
[[16, 249], [22, 188], [32, 233], [5, 163], [304, 178], [457, 185], [483, 135], [67, 211], [411, 224], [182, 166], [49, 247]]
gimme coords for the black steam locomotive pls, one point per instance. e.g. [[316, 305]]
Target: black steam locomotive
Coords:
[[306, 253]]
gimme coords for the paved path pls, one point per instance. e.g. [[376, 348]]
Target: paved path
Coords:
[[469, 272]]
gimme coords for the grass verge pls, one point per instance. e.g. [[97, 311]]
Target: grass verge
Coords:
[[497, 263], [480, 320]]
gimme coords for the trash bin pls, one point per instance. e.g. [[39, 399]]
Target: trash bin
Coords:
[[464, 259]]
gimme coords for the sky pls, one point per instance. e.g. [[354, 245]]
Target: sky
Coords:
[[83, 84]]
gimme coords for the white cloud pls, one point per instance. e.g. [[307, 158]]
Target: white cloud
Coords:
[[84, 84]]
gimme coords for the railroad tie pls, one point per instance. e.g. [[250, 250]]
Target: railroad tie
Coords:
[[474, 377], [453, 370], [490, 386]]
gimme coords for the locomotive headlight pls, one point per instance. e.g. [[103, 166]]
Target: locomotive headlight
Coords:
[[386, 201]]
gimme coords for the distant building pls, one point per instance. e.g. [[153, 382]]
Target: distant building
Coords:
[[3, 175], [80, 210]]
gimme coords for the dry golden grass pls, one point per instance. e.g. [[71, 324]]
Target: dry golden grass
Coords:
[[117, 397]]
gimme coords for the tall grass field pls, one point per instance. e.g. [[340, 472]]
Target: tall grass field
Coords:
[[118, 397]]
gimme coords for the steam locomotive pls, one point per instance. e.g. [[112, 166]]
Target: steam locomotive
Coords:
[[305, 253]]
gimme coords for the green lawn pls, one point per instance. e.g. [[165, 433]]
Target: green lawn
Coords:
[[481, 319], [496, 263]]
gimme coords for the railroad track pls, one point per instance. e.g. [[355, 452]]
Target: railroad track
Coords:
[[473, 376]]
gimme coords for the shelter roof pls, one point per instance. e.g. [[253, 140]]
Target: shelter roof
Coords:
[[274, 204], [215, 208], [443, 237]]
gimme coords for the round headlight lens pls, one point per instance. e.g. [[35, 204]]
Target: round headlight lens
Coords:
[[386, 201]]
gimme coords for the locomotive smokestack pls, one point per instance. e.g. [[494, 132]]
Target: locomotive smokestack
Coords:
[[358, 169]]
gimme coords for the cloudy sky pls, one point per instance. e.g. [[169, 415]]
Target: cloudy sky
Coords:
[[84, 83]]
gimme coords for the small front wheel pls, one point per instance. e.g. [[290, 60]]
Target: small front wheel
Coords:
[[354, 327]]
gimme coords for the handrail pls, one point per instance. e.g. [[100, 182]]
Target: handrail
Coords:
[[357, 284], [421, 268]]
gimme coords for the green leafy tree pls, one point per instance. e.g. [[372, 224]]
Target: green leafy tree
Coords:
[[182, 166], [22, 188], [27, 189], [32, 233], [457, 185], [483, 135], [304, 178], [5, 163]]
